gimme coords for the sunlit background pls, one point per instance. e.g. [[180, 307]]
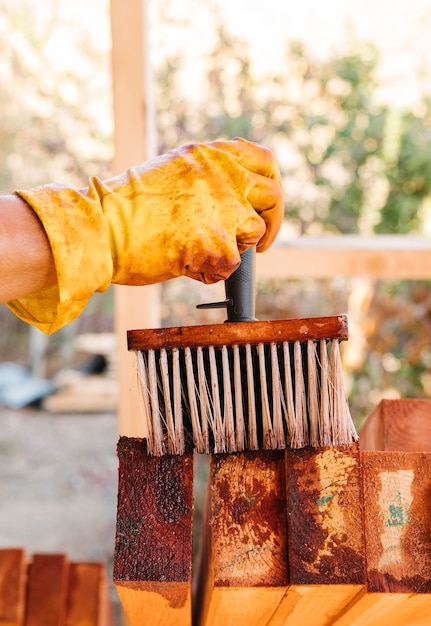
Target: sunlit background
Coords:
[[340, 90]]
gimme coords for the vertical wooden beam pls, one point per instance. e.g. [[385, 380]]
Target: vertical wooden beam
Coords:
[[88, 600], [135, 307], [47, 590], [397, 539], [153, 548], [243, 569], [403, 424], [397, 486], [325, 535], [13, 570]]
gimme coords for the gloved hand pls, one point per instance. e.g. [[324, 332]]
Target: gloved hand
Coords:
[[189, 212]]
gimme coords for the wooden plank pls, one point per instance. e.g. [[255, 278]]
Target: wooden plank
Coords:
[[325, 535], [88, 602], [243, 569], [314, 605], [153, 547], [403, 424], [135, 307], [394, 609], [13, 570], [239, 333], [397, 521], [325, 516], [47, 590], [390, 257]]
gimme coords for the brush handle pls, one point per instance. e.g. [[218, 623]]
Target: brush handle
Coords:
[[240, 289]]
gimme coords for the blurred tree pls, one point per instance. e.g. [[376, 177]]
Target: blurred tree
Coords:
[[350, 164]]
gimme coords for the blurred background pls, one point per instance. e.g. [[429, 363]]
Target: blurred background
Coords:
[[341, 91]]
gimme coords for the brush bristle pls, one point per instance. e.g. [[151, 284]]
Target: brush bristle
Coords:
[[232, 398]]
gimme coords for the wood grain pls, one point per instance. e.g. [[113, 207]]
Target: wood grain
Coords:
[[239, 333], [47, 590], [13, 569], [402, 424], [153, 548], [88, 602], [325, 516], [243, 568], [397, 487]]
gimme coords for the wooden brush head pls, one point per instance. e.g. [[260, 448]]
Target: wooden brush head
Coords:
[[239, 333]]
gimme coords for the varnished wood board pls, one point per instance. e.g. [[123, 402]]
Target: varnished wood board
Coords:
[[239, 333], [325, 516], [243, 567], [397, 487], [13, 568], [153, 547], [403, 424]]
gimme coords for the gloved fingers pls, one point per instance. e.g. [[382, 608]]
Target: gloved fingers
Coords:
[[217, 263], [266, 198], [264, 179], [252, 156], [250, 231]]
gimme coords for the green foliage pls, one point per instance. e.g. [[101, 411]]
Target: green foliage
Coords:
[[350, 164]]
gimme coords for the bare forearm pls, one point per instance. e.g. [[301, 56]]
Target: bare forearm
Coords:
[[26, 262]]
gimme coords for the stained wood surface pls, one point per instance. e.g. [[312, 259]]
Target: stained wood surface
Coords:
[[397, 486], [325, 535], [239, 333], [87, 600], [243, 561], [402, 424], [47, 589], [153, 546], [13, 569], [325, 516]]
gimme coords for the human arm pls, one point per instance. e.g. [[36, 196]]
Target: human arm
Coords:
[[26, 261], [190, 212]]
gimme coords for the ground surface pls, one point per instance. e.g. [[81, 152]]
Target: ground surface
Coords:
[[58, 484]]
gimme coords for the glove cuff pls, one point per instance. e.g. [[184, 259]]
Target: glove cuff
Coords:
[[79, 241]]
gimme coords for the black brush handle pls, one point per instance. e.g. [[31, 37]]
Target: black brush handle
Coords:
[[240, 289]]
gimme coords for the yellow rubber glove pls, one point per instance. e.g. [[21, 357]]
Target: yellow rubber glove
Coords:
[[189, 212]]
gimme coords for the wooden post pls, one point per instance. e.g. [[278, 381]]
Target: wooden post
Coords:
[[47, 590], [325, 535], [13, 569], [243, 569], [403, 424], [88, 600], [135, 307], [153, 548], [397, 539], [398, 521]]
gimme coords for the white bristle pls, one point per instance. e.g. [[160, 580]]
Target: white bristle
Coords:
[[343, 427], [169, 411], [277, 414], [269, 442], [324, 395], [252, 397], [313, 395], [155, 407], [177, 393], [229, 424], [145, 399], [192, 396], [240, 431], [289, 401], [204, 400], [253, 442], [219, 438], [301, 435]]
